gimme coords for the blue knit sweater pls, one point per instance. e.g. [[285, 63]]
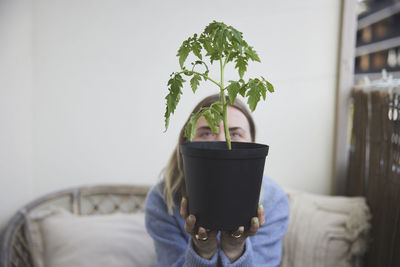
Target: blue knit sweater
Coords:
[[174, 247]]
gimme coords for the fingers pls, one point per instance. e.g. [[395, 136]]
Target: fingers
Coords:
[[238, 233], [202, 234], [183, 210], [190, 220], [254, 226], [190, 224], [261, 215], [257, 222], [205, 242]]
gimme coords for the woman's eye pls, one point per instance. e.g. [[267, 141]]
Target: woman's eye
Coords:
[[206, 134], [235, 134]]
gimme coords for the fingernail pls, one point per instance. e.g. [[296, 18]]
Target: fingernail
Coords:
[[255, 221], [260, 207], [183, 200], [190, 218]]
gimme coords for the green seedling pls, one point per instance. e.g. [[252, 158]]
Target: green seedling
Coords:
[[219, 44]]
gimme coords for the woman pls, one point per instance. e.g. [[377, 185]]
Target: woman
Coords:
[[176, 239]]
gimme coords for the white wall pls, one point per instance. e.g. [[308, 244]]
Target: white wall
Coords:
[[15, 106], [99, 66]]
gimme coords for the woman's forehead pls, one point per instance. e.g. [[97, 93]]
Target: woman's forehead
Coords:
[[237, 119]]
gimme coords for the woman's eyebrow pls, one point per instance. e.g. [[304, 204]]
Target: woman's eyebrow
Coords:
[[204, 128], [236, 128]]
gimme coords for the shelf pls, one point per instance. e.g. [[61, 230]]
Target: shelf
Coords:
[[378, 46], [378, 15], [375, 75]]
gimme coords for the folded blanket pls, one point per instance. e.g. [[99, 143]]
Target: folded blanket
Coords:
[[325, 231]]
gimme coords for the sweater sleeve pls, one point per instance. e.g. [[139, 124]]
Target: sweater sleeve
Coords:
[[173, 248], [265, 248]]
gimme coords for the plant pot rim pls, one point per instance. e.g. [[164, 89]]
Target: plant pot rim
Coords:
[[219, 150]]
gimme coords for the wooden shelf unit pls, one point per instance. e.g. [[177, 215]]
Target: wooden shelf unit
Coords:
[[378, 39]]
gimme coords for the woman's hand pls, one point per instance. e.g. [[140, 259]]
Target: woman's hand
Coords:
[[232, 243], [205, 242]]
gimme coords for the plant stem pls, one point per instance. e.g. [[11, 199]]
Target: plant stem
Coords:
[[225, 106], [226, 59], [202, 75]]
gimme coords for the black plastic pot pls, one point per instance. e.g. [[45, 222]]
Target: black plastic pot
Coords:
[[223, 186]]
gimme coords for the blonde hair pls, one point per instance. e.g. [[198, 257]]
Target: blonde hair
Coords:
[[173, 175]]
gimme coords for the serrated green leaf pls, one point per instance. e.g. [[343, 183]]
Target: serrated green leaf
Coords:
[[263, 89], [232, 55], [189, 132], [220, 40], [217, 106], [195, 82], [241, 65], [257, 89], [214, 40], [269, 85], [166, 115], [229, 35], [217, 119], [212, 27], [193, 126], [233, 89], [196, 49], [243, 89], [217, 111], [210, 121], [237, 35], [183, 53], [190, 128], [206, 42], [252, 54], [175, 85], [212, 51]]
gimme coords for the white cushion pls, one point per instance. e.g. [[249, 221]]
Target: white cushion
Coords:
[[325, 231], [65, 240]]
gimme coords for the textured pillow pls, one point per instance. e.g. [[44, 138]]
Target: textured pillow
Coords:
[[61, 239], [325, 231]]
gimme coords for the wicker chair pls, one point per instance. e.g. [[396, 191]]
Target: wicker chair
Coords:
[[16, 251], [15, 246]]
